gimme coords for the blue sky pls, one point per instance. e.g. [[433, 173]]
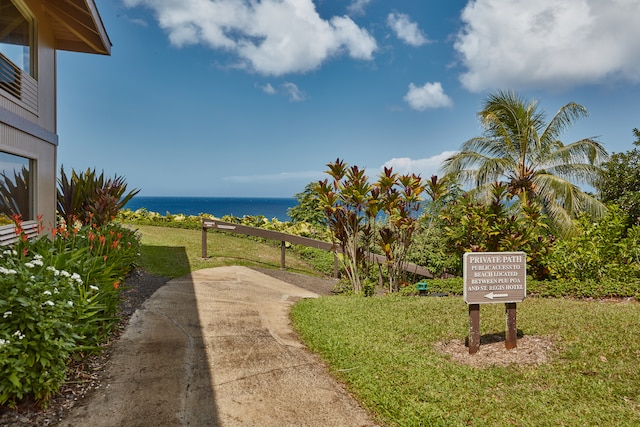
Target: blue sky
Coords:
[[254, 98]]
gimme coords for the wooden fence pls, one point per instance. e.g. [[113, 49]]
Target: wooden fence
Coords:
[[209, 223]]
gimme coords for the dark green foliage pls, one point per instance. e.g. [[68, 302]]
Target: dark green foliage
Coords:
[[601, 251], [308, 208], [429, 250], [58, 296], [91, 198], [473, 226], [318, 259], [620, 181]]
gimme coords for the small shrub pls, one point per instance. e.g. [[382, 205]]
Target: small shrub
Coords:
[[36, 334], [319, 259], [58, 295], [91, 198], [603, 251]]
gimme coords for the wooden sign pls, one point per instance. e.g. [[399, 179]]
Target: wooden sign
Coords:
[[494, 277]]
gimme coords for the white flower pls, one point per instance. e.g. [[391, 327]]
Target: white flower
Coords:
[[49, 302], [47, 292], [65, 273], [70, 303], [77, 278], [37, 256], [29, 264], [37, 262], [7, 271], [55, 290], [7, 314], [18, 334], [54, 270], [94, 288], [4, 342]]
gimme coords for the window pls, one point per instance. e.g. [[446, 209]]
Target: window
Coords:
[[17, 50], [16, 189]]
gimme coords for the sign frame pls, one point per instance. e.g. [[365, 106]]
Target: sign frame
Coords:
[[503, 280]]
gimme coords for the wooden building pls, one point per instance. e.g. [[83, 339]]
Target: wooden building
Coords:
[[31, 31]]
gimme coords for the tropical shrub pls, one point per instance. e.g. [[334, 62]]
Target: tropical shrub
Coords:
[[429, 246], [88, 197], [429, 249], [319, 259], [619, 182], [58, 296], [369, 218], [601, 250], [36, 333], [473, 226], [398, 198], [308, 209]]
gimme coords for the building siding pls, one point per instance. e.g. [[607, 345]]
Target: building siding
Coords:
[[35, 136]]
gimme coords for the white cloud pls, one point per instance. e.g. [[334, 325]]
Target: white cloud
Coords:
[[138, 21], [431, 95], [548, 43], [268, 89], [288, 89], [272, 37], [357, 6], [423, 167], [295, 94], [405, 30]]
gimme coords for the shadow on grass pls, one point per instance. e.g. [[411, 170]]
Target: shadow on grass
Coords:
[[494, 337], [167, 261]]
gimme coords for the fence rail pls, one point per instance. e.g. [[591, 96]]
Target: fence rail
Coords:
[[209, 223]]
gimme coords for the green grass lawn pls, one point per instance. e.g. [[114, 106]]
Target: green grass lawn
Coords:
[[383, 348]]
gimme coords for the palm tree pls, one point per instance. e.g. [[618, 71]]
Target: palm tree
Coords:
[[522, 150]]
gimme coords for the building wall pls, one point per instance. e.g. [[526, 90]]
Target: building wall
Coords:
[[29, 130]]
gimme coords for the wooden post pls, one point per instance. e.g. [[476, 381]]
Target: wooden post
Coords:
[[474, 328], [511, 335], [204, 241], [282, 254]]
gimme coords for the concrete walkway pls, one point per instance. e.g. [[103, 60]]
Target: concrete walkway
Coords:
[[216, 349]]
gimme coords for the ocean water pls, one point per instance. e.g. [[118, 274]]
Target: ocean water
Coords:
[[216, 206]]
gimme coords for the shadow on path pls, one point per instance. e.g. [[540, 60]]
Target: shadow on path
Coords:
[[216, 348], [158, 374]]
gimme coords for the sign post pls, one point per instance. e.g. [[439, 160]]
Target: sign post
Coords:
[[489, 278]]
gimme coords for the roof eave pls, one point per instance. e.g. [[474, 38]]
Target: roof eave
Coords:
[[78, 27]]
